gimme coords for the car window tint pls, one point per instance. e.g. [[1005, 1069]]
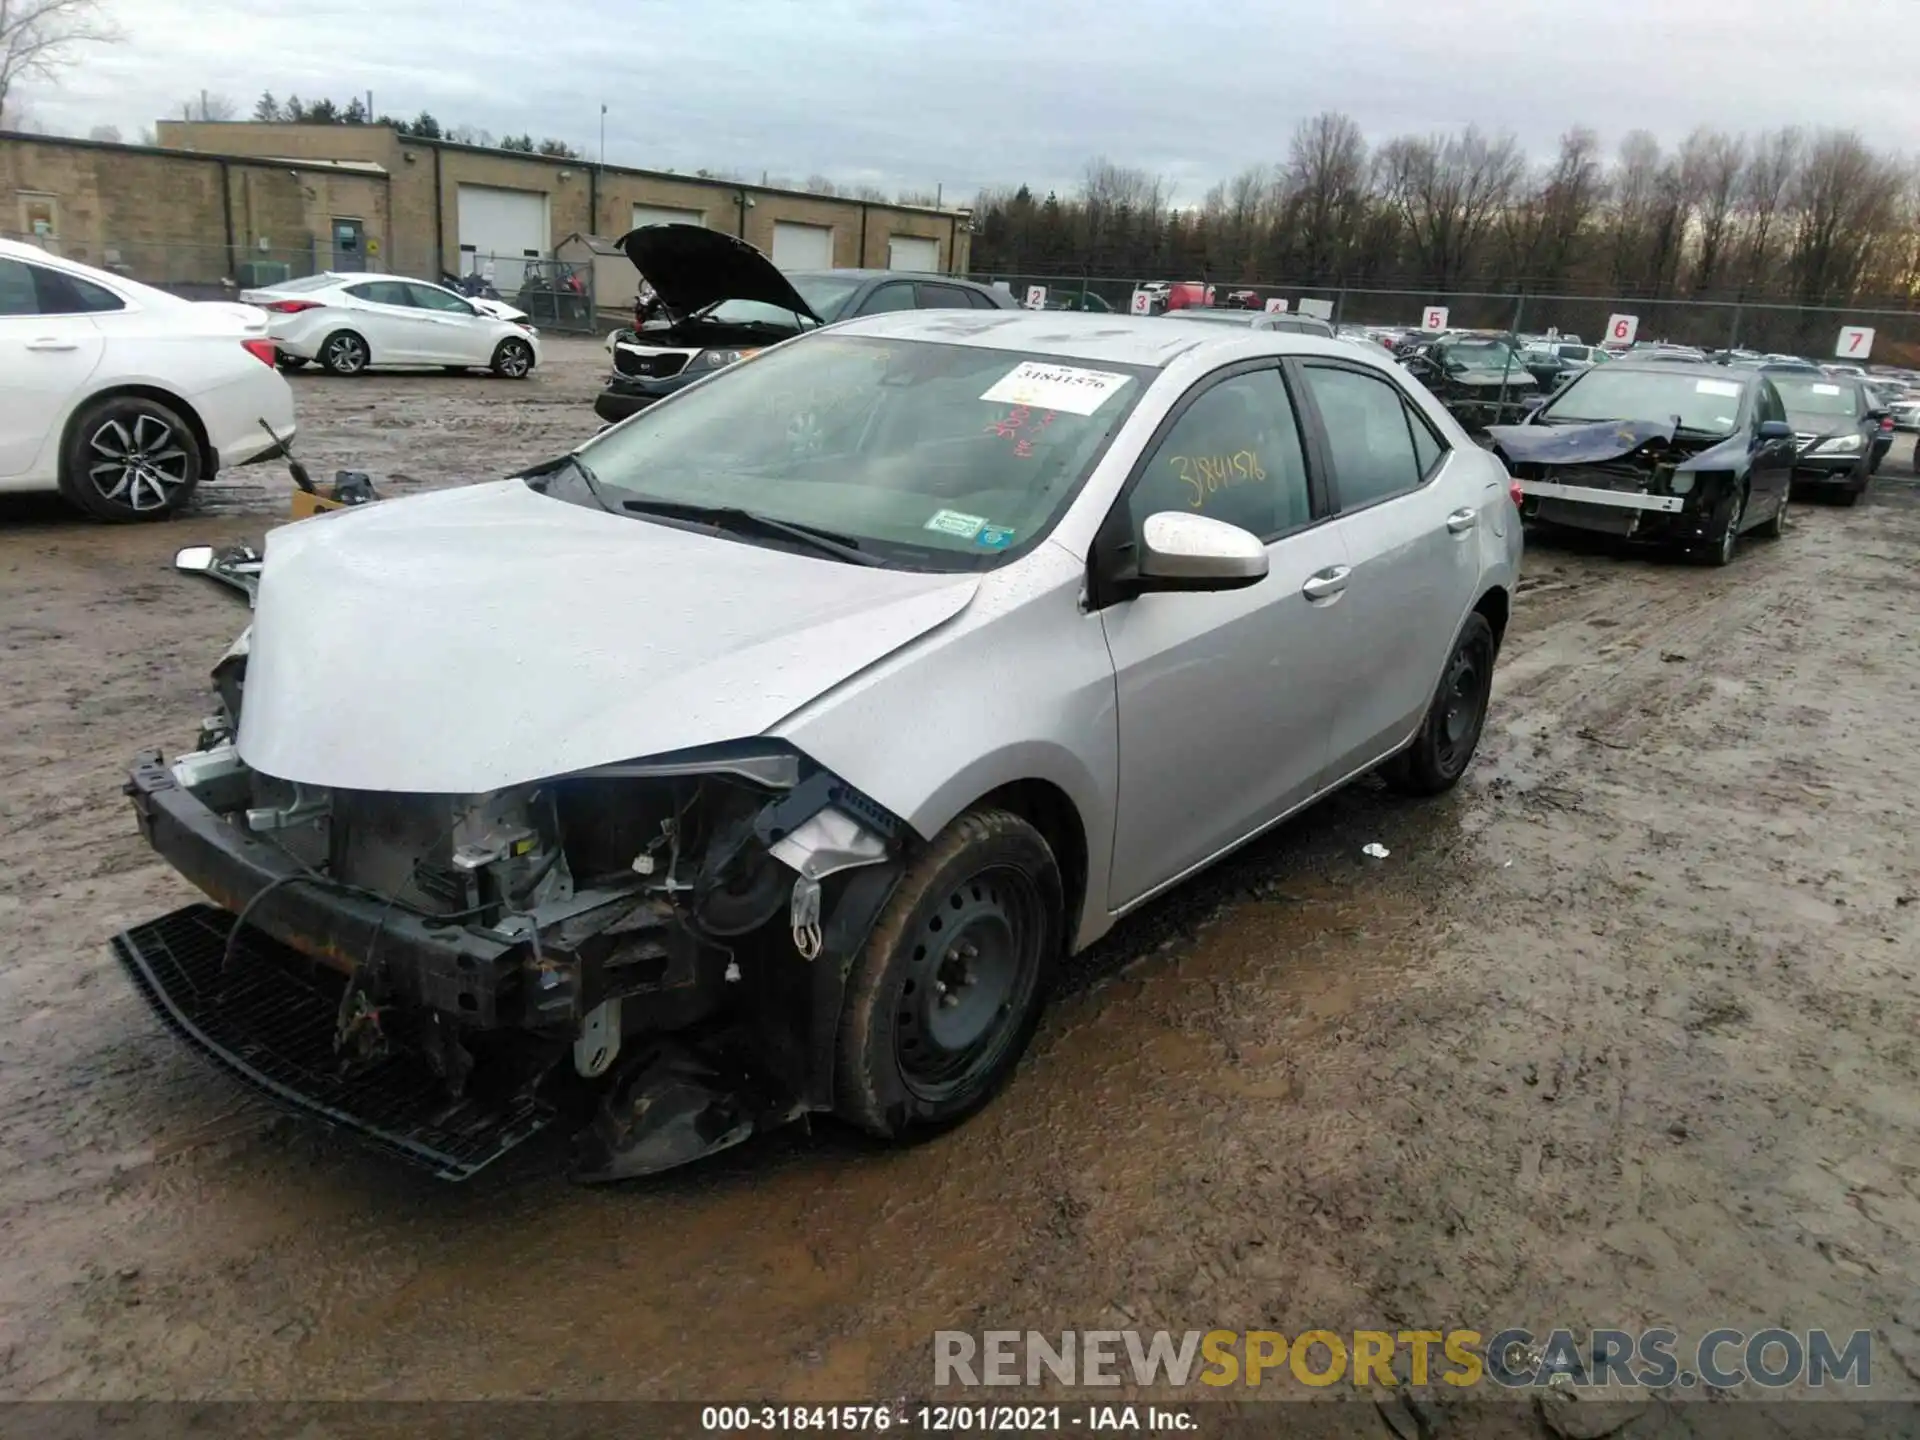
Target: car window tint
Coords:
[[382, 292], [1427, 446], [943, 297], [64, 294], [17, 295], [1367, 435], [897, 296], [1234, 454], [980, 300], [426, 297], [1769, 406]]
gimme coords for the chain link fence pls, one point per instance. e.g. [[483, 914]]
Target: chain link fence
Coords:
[[1770, 326], [556, 294]]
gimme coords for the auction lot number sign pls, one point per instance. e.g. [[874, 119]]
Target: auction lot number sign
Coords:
[[1622, 329]]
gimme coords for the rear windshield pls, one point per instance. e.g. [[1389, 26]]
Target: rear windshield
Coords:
[[307, 282], [1812, 396], [1707, 405]]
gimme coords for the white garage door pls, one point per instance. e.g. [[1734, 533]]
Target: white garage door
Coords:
[[910, 252], [660, 215], [503, 228], [802, 247]]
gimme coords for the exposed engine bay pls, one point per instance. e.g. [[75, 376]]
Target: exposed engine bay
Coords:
[[1629, 478], [659, 947]]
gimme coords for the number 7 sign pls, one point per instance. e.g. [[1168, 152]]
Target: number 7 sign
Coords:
[[1856, 342]]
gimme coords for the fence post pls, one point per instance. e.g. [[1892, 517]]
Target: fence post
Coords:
[[1506, 365], [1339, 305], [1733, 341]]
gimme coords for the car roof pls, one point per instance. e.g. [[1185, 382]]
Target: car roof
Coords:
[[856, 273], [1699, 369], [1073, 335]]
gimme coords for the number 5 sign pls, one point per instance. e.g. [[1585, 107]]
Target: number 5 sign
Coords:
[[1856, 342], [1621, 329], [1434, 317]]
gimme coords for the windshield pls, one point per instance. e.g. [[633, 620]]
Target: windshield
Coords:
[[1708, 406], [824, 293], [755, 312], [1488, 354], [926, 456], [1810, 396]]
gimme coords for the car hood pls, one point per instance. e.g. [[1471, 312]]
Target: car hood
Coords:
[[1598, 441], [1516, 378], [691, 267], [471, 639], [496, 309]]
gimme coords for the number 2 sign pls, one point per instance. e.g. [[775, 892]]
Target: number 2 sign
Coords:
[[1434, 317], [1036, 297], [1855, 343], [1621, 329]]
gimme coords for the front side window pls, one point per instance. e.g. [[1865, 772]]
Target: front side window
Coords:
[[926, 456], [1234, 454], [382, 292], [429, 297], [1368, 438]]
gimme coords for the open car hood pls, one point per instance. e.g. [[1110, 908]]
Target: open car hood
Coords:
[[691, 267], [466, 640]]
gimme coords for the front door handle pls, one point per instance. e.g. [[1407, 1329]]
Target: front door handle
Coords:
[[1327, 583], [1461, 521], [49, 343]]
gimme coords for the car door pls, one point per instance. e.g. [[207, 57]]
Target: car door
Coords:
[[1225, 698], [396, 333], [1408, 511], [454, 330], [1770, 475], [49, 348]]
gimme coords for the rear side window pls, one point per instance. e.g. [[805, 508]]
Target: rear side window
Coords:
[[1369, 435], [980, 300], [896, 296], [943, 297], [63, 294]]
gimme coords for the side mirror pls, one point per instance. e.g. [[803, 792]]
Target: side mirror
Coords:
[[1775, 430], [195, 559], [1197, 552], [1878, 415]]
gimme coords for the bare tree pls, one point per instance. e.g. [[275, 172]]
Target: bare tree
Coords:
[[1323, 195], [110, 134], [205, 107], [1844, 203], [1449, 190], [1763, 191], [38, 37], [819, 185], [1712, 163]]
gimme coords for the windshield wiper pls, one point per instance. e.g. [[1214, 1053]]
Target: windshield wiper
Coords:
[[732, 517], [580, 468]]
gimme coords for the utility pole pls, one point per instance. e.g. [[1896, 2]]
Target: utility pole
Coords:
[[603, 134]]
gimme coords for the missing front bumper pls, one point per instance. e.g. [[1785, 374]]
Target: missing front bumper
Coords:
[[268, 1018]]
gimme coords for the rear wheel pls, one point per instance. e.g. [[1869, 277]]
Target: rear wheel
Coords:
[[131, 458], [344, 353], [949, 987], [512, 359], [1450, 734]]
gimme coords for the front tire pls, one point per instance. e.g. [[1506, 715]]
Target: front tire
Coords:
[[513, 359], [1775, 524], [1721, 551], [1441, 752], [131, 458], [946, 993], [344, 353]]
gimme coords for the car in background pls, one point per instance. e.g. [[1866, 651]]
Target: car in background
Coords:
[[808, 724], [1553, 362], [1281, 320], [718, 301], [1479, 378], [123, 398], [1840, 432], [349, 323], [1659, 453], [1904, 411]]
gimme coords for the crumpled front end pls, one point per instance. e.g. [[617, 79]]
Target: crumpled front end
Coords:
[[655, 949], [1634, 479]]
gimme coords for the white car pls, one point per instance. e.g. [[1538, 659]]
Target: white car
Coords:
[[349, 322], [121, 397]]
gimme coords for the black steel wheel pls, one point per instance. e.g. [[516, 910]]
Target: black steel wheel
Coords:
[[1444, 746], [948, 989], [129, 457], [344, 353]]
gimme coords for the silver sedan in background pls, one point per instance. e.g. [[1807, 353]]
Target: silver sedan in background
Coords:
[[768, 752]]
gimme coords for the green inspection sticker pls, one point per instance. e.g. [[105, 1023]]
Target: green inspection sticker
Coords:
[[952, 522]]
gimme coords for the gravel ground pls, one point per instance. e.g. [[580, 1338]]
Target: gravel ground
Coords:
[[1621, 1032]]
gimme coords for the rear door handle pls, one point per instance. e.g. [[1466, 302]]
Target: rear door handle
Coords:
[[49, 343], [1461, 521], [1327, 583]]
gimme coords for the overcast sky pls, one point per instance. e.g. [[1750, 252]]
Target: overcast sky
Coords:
[[914, 93]]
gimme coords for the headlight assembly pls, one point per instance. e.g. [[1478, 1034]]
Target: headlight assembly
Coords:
[[717, 359], [1838, 445]]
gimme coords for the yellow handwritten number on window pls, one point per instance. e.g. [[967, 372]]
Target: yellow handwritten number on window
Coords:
[[1207, 475]]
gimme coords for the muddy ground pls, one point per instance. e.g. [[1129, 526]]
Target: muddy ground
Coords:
[[1622, 1032]]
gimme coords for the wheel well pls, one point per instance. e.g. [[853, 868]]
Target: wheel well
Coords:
[[1045, 806], [1496, 606], [210, 458]]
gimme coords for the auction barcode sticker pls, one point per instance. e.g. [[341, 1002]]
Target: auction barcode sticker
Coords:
[[1055, 387]]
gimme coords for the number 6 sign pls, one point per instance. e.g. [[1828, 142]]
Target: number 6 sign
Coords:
[[1856, 342], [1621, 329], [1434, 317]]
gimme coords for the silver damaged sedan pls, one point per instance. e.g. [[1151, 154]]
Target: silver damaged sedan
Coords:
[[767, 753]]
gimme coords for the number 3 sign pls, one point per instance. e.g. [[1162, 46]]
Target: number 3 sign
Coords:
[[1621, 329], [1855, 343], [1434, 317]]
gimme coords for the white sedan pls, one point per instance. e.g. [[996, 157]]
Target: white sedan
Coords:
[[349, 322], [121, 397]]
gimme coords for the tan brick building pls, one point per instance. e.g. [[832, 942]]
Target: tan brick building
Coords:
[[242, 200]]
